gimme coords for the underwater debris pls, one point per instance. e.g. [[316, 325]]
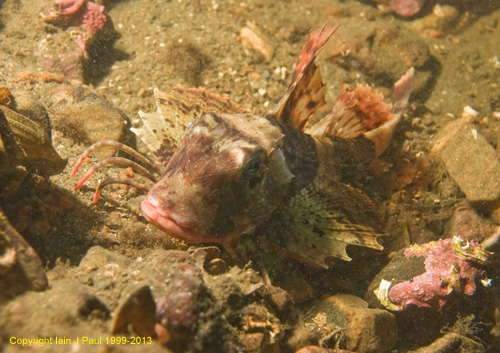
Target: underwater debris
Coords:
[[253, 37]]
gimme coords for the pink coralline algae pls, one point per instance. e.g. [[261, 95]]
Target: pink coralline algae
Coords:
[[81, 13], [69, 6], [451, 268]]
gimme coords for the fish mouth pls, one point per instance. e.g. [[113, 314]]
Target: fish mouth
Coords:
[[165, 221]]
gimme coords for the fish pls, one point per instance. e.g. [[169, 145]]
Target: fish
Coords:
[[279, 175]]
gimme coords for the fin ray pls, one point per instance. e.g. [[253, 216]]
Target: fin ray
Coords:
[[163, 130], [306, 93], [327, 219]]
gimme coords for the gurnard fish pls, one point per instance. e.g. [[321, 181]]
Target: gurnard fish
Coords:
[[237, 173]]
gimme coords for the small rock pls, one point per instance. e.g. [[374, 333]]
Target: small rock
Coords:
[[20, 267], [85, 37], [469, 159], [283, 302], [473, 163], [432, 285], [345, 321], [470, 225], [85, 116], [405, 8], [253, 37]]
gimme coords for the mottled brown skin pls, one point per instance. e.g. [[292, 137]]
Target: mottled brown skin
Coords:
[[235, 172], [226, 179]]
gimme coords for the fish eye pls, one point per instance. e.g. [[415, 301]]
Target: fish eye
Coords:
[[253, 167], [250, 173]]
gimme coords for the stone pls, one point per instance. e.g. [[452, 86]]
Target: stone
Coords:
[[85, 116], [473, 163], [469, 159], [345, 321], [20, 267], [470, 225], [433, 285]]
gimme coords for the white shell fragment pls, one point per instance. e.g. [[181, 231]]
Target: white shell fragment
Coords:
[[253, 37], [382, 294]]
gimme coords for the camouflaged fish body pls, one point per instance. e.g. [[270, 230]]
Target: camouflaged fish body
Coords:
[[237, 171]]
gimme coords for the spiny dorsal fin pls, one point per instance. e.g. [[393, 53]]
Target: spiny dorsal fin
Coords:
[[360, 111], [382, 136], [163, 131], [306, 93], [327, 219], [355, 112]]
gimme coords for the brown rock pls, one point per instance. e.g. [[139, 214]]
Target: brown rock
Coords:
[[470, 225], [473, 163], [20, 267], [85, 116], [469, 159], [345, 321]]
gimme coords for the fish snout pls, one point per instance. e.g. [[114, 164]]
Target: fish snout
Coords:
[[159, 214]]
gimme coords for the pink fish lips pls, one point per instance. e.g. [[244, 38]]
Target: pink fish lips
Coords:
[[165, 221]]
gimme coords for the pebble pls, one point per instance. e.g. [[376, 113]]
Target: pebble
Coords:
[[253, 37], [85, 116], [470, 225], [20, 267], [470, 160], [345, 321]]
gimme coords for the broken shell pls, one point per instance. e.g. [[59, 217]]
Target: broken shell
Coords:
[[138, 311], [35, 143], [382, 294], [253, 37], [469, 250]]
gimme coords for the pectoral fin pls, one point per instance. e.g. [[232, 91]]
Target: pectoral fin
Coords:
[[326, 220]]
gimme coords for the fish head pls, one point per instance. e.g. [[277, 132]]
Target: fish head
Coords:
[[228, 177]]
